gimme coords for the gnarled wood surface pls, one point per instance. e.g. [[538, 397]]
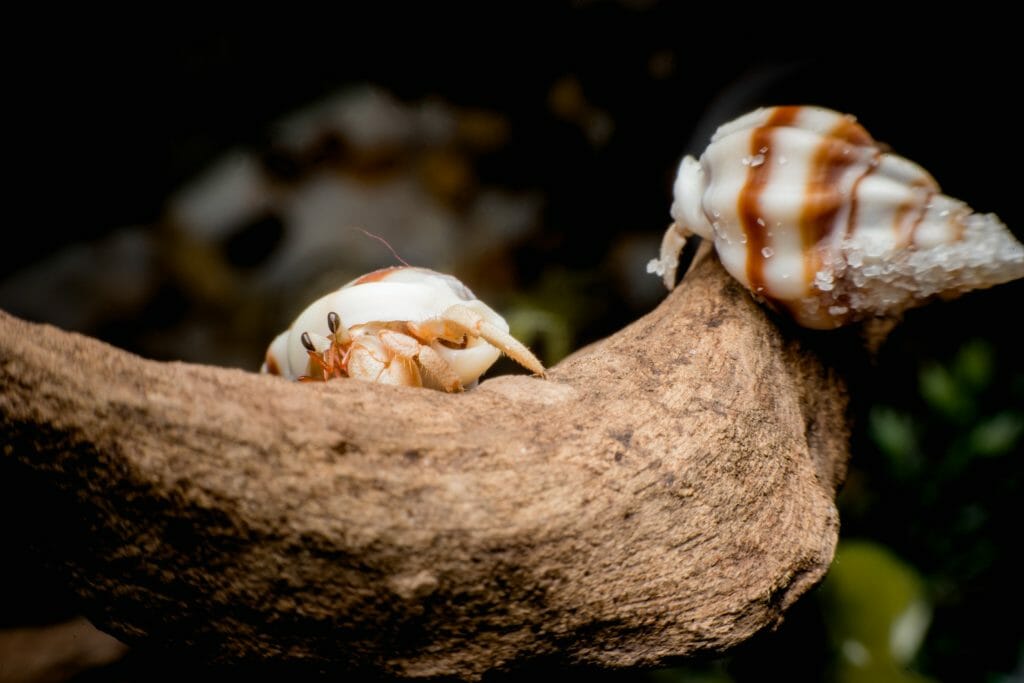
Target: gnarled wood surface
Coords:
[[668, 491]]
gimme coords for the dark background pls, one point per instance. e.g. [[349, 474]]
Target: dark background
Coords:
[[108, 120]]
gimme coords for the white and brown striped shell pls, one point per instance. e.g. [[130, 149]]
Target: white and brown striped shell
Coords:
[[815, 218], [401, 325]]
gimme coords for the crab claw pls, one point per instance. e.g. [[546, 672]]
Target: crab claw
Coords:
[[388, 358], [470, 322]]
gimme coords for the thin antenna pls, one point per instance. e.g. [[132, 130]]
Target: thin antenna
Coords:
[[385, 243]]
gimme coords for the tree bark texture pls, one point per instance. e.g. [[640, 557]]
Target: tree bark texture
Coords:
[[667, 491]]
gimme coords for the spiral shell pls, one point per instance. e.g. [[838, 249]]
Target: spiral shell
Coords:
[[815, 218]]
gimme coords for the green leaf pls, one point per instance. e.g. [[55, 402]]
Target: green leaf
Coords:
[[997, 435], [894, 433], [944, 394], [974, 364]]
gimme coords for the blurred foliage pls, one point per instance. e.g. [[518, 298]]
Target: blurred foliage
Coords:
[[944, 492], [877, 612], [552, 315]]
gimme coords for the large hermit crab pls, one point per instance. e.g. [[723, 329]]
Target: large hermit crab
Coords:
[[821, 222], [402, 325]]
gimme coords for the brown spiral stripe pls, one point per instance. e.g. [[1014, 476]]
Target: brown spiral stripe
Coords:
[[822, 198], [851, 222], [750, 195], [907, 238]]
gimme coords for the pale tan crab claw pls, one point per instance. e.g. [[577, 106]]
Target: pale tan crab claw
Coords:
[[387, 358], [390, 357], [459, 320]]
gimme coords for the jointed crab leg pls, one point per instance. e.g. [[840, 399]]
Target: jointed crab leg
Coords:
[[459, 320], [419, 362], [437, 371], [671, 245]]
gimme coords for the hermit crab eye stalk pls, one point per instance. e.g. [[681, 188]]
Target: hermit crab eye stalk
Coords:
[[408, 326], [818, 220]]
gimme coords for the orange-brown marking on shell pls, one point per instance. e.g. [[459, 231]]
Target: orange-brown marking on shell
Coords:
[[272, 367], [822, 196], [851, 221], [922, 212], [783, 116], [909, 214], [848, 130], [750, 207], [748, 204], [377, 275]]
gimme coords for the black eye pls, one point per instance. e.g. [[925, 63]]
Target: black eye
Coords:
[[333, 321], [307, 342], [252, 243]]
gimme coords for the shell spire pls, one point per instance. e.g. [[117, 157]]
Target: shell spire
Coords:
[[815, 218]]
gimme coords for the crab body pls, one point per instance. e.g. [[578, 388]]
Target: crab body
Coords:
[[814, 217], [404, 325]]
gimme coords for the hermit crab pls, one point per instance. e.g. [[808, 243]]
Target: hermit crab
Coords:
[[402, 325], [814, 217]]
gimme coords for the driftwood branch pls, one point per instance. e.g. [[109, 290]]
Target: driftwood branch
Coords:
[[667, 491]]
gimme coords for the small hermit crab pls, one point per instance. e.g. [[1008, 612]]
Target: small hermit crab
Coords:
[[402, 325]]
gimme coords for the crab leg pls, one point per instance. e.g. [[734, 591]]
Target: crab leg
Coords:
[[322, 354], [671, 245], [459, 320], [401, 348], [436, 371], [327, 354]]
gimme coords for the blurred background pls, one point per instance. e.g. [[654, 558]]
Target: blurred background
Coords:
[[186, 186]]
